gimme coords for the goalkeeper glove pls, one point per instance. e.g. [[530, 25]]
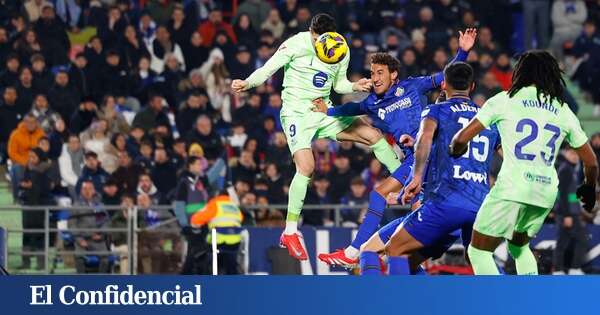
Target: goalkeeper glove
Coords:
[[587, 194]]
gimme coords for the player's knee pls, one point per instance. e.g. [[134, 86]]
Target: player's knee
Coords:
[[305, 168], [392, 249], [372, 136], [517, 250]]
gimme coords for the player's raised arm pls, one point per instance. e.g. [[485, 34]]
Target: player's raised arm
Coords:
[[348, 109], [422, 151], [282, 56], [466, 41]]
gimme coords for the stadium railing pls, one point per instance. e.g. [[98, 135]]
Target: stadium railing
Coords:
[[58, 225]]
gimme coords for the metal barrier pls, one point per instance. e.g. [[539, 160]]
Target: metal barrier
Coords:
[[132, 229]]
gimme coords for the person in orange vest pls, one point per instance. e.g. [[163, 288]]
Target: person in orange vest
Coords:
[[222, 213]]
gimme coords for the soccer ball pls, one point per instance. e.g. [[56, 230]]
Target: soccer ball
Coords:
[[331, 47]]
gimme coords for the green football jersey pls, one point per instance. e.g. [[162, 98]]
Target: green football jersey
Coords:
[[531, 134], [306, 77]]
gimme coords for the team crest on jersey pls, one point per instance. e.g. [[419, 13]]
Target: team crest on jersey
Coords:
[[320, 79], [399, 91]]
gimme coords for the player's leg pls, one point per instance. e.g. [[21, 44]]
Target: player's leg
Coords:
[[529, 222], [299, 131], [370, 263], [377, 204], [363, 133], [495, 222]]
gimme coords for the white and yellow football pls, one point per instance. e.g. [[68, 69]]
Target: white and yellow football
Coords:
[[331, 47]]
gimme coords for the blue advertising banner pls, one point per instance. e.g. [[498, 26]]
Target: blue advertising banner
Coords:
[[288, 295], [262, 241]]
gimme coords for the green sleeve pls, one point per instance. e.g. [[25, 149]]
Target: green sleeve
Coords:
[[576, 137], [283, 55], [341, 84], [488, 114]]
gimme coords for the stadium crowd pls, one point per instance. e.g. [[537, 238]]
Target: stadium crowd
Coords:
[[105, 101]]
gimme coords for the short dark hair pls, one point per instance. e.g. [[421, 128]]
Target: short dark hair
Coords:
[[322, 23], [91, 154], [191, 160], [459, 75], [386, 59]]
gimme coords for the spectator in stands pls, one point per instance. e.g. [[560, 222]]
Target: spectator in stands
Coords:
[[180, 26], [127, 174], [204, 135], [90, 215], [147, 28], [217, 80], [119, 240], [275, 183], [35, 191], [63, 97], [279, 154], [25, 90], [10, 116], [164, 173], [587, 53], [273, 24], [146, 187], [318, 194], [111, 27], [111, 196], [160, 10], [93, 172], [132, 48], [340, 177], [373, 174], [489, 86], [79, 75], [33, 9], [249, 114], [567, 20], [45, 116], [144, 159], [10, 75], [143, 80], [117, 123], [536, 17], [195, 53], [42, 78], [571, 232], [97, 139], [151, 116], [358, 195], [195, 105], [82, 118], [191, 194], [70, 163], [21, 141], [245, 169], [246, 31], [28, 45], [53, 35], [58, 136], [114, 78], [356, 155], [208, 30], [502, 70], [238, 137], [161, 46], [172, 75]]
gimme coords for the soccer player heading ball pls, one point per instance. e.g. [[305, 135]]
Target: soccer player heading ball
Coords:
[[307, 78], [533, 121]]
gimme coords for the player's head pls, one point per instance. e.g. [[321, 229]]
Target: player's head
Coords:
[[321, 23], [458, 77], [539, 68], [384, 71]]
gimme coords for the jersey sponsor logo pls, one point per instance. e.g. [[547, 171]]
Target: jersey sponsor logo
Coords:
[[399, 91], [401, 104], [319, 79], [464, 107], [538, 104], [539, 179], [468, 175]]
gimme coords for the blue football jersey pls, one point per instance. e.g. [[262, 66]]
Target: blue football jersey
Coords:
[[398, 111], [458, 182]]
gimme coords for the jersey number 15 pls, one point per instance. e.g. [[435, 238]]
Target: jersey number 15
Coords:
[[481, 150]]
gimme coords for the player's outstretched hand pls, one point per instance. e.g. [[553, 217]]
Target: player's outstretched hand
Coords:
[[238, 86], [407, 140], [587, 194], [319, 106], [362, 85], [466, 40], [411, 190]]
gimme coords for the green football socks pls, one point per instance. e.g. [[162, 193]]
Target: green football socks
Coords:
[[296, 196], [524, 259], [384, 153], [482, 261]]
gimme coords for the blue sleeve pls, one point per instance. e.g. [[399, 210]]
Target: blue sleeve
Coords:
[[432, 111], [348, 109], [436, 79]]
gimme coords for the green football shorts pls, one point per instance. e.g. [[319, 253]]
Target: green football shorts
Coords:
[[501, 218], [302, 128]]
